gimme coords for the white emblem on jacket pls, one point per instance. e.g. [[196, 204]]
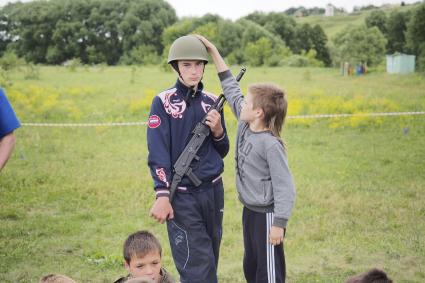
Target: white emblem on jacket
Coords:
[[175, 109]]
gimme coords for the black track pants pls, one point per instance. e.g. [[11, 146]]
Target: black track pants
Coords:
[[263, 262]]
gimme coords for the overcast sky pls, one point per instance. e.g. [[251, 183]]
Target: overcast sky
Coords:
[[234, 9]]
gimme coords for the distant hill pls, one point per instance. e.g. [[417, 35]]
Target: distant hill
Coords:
[[335, 24]]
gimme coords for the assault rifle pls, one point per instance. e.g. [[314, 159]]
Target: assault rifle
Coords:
[[200, 133]]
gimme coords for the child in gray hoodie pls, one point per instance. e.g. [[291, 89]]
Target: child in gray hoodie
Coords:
[[263, 179]]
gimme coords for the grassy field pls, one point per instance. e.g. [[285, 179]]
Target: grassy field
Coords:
[[70, 196]]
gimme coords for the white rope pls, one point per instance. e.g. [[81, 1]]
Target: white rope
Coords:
[[83, 124], [315, 116]]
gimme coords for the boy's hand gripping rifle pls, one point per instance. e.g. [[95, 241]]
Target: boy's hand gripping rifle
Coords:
[[200, 133]]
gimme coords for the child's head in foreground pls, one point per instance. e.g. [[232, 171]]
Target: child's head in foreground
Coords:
[[142, 255], [371, 276], [56, 278]]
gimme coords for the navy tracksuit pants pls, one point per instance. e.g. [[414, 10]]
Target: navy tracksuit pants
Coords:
[[263, 262], [196, 230]]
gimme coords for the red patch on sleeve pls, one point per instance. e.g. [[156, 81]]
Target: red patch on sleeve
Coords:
[[154, 121]]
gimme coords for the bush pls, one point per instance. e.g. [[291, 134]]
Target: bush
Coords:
[[5, 79], [10, 61], [73, 64], [360, 44], [295, 60], [257, 52], [279, 54], [31, 72], [54, 55], [312, 59], [235, 58], [141, 55]]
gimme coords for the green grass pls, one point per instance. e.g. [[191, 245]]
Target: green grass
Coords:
[[70, 196]]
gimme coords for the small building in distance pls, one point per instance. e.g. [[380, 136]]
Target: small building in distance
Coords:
[[330, 10], [399, 63]]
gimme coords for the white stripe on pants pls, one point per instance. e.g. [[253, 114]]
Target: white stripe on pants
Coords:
[[270, 250]]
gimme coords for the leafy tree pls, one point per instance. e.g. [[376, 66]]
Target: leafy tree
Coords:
[[276, 23], [257, 17], [141, 55], [92, 30], [416, 29], [54, 55], [236, 57], [312, 38], [32, 27], [365, 8], [209, 30], [283, 26], [7, 26], [297, 37], [416, 35], [360, 44], [278, 56], [296, 60], [230, 37], [252, 32], [104, 34], [144, 22], [303, 38], [69, 38], [396, 29], [176, 30], [10, 61], [311, 56], [305, 59], [377, 18], [94, 55], [257, 52], [320, 40], [310, 11], [205, 19]]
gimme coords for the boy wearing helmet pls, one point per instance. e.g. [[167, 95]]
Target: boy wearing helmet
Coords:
[[194, 218]]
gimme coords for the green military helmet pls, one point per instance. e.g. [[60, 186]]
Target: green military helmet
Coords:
[[187, 47]]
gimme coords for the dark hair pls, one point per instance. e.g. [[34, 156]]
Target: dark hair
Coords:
[[272, 100], [140, 244], [372, 276]]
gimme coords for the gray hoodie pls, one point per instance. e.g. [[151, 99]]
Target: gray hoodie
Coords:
[[263, 180]]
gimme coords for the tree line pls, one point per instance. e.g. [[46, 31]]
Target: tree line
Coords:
[[95, 31], [403, 31], [381, 33], [141, 31]]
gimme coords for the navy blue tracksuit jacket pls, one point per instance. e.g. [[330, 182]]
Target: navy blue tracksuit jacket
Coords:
[[170, 124]]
